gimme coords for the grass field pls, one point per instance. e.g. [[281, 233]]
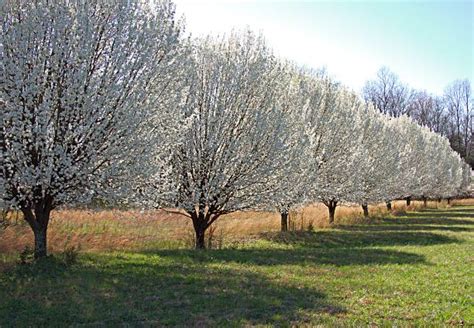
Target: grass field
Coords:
[[409, 269]]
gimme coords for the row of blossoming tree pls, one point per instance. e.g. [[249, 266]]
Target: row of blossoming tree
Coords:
[[108, 100]]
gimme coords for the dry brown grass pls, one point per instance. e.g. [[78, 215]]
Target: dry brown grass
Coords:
[[99, 230], [118, 230], [467, 201]]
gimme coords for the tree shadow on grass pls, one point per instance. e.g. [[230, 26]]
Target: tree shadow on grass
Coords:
[[139, 289], [442, 214], [390, 224], [359, 236], [300, 255], [410, 220], [395, 227], [455, 208], [427, 220]]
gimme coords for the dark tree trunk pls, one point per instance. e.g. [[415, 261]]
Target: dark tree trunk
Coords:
[[200, 240], [389, 205], [365, 208], [200, 226], [201, 222], [41, 242], [439, 200], [425, 202], [332, 210], [284, 221], [408, 201], [38, 219], [449, 201]]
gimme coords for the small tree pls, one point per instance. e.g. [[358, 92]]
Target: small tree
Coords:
[[78, 81]]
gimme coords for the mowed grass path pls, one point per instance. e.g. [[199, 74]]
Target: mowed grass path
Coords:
[[411, 270]]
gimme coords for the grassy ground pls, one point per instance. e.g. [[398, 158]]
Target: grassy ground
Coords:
[[413, 269]]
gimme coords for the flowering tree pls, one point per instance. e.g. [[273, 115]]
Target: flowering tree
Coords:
[[95, 95], [291, 184], [445, 176], [231, 142], [447, 173], [465, 187], [407, 141], [78, 81], [429, 168], [376, 159], [334, 122]]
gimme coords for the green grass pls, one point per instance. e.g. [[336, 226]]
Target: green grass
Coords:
[[412, 270]]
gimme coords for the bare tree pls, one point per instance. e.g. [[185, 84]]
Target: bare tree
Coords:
[[388, 94], [459, 99], [429, 111]]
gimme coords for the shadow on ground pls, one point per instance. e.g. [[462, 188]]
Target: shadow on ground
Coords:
[[452, 214], [441, 215], [453, 219], [415, 223], [149, 290], [391, 225], [453, 209], [301, 255]]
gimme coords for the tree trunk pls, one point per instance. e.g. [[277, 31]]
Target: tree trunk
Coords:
[[202, 220], [425, 202], [200, 240], [200, 226], [41, 242], [389, 205], [449, 201], [38, 219], [332, 210], [284, 221], [365, 208], [408, 201]]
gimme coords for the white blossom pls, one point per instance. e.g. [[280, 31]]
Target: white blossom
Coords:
[[79, 80]]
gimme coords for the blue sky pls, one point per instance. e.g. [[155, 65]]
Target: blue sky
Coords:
[[427, 43]]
